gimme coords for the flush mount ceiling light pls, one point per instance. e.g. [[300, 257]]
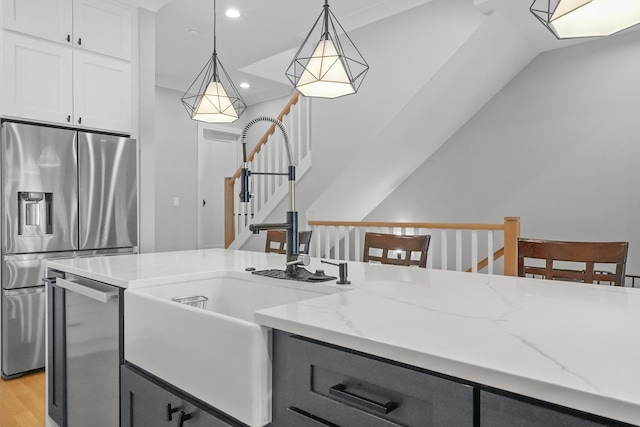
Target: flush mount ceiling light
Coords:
[[586, 18], [327, 66], [212, 97]]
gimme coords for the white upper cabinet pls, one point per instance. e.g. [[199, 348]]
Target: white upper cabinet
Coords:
[[102, 27], [95, 25], [47, 19], [67, 62], [37, 81], [46, 82], [102, 92]]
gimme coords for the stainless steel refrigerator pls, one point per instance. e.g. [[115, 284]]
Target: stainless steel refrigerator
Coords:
[[65, 193]]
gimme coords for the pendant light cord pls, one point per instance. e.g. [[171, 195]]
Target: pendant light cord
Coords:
[[214, 27], [326, 19]]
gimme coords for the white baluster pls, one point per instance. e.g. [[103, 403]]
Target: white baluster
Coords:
[[319, 235], [327, 244], [458, 250], [336, 242], [474, 251], [263, 182], [307, 126], [357, 255], [443, 262], [347, 254]]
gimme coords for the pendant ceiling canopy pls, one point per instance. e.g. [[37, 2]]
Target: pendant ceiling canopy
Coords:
[[586, 18]]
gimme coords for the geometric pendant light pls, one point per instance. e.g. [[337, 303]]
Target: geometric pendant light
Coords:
[[212, 97], [327, 65], [586, 18]]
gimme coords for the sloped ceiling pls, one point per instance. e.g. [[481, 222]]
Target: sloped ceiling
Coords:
[[258, 47]]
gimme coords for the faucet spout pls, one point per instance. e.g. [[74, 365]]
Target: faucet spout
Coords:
[[291, 224]]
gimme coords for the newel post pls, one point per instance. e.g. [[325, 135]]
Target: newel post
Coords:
[[229, 234], [511, 234]]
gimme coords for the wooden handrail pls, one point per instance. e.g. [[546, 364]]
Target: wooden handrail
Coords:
[[430, 225], [229, 232], [293, 101]]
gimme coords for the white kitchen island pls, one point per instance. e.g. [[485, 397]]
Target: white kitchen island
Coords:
[[573, 345]]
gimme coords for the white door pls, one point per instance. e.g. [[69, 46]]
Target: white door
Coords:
[[217, 159], [102, 27], [36, 79], [47, 19], [102, 92]]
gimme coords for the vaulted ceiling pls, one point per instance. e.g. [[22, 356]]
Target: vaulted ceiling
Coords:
[[258, 46]]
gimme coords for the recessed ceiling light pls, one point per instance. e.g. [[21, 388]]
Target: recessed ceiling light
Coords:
[[233, 13], [245, 85], [193, 33]]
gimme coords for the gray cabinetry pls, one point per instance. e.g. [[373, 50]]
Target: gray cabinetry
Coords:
[[147, 402], [501, 411], [320, 385]]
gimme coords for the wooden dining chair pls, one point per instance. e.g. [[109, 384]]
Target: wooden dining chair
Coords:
[[401, 247], [587, 253], [277, 242]]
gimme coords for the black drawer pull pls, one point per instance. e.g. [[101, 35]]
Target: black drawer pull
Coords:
[[312, 417], [184, 417], [171, 411], [340, 390]]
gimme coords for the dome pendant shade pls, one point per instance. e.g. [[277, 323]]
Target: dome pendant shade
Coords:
[[586, 18], [327, 64], [212, 97]]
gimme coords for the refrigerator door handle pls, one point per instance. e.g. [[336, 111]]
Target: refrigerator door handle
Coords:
[[97, 291]]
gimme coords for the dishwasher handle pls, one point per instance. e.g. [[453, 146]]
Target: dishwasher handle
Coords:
[[95, 290]]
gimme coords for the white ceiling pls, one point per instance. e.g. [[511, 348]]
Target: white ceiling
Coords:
[[264, 39]]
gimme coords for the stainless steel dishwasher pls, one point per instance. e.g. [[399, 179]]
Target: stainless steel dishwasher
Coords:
[[85, 351]]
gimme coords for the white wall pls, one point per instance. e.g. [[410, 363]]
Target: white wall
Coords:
[[176, 169], [144, 126], [558, 146], [176, 173]]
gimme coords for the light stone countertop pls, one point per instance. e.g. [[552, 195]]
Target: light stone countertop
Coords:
[[571, 344]]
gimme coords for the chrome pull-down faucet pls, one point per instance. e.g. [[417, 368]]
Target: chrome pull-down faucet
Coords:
[[291, 224]]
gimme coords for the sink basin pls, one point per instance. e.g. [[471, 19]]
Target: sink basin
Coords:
[[218, 354]]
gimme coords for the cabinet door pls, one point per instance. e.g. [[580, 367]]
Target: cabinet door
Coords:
[[146, 403], [36, 79], [501, 411], [102, 92], [102, 27], [48, 19]]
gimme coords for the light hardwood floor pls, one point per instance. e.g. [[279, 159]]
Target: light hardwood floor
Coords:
[[22, 401]]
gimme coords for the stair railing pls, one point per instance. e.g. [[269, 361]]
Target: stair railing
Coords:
[[267, 155], [344, 240]]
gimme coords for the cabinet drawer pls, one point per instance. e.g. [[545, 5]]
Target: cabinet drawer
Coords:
[[319, 385], [502, 411]]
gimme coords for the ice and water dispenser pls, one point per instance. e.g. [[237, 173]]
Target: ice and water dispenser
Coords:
[[35, 213]]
